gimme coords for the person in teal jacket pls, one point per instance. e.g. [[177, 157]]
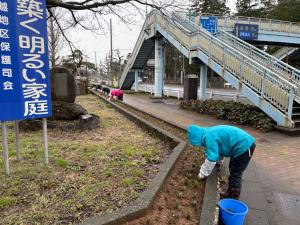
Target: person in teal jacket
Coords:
[[224, 141]]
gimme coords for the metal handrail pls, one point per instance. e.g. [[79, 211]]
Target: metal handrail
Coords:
[[249, 18], [283, 51], [269, 24], [279, 66]]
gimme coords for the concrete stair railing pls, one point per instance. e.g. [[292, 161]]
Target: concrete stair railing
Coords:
[[284, 51]]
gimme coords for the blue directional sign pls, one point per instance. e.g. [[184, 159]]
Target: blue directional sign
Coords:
[[246, 31], [209, 23], [25, 91]]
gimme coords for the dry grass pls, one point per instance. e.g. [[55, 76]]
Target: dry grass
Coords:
[[90, 172]]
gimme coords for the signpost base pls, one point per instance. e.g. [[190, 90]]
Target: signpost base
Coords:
[[17, 134], [45, 136], [5, 148]]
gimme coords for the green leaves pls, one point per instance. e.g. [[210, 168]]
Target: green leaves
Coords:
[[236, 112]]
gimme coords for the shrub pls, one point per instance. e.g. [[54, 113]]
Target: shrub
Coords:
[[236, 112]]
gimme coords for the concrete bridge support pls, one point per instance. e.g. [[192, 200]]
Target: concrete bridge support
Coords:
[[159, 67], [136, 81], [203, 81]]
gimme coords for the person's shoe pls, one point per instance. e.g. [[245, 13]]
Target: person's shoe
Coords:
[[223, 189], [234, 193]]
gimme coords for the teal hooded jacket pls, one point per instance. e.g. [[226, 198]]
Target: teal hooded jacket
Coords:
[[222, 140]]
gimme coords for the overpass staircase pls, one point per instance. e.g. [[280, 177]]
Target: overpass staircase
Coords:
[[265, 80], [283, 52]]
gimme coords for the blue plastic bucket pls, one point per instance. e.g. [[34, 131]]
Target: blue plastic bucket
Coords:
[[233, 212]]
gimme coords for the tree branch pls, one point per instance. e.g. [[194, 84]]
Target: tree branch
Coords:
[[62, 31], [89, 4]]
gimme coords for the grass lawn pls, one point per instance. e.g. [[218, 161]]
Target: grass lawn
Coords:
[[90, 172]]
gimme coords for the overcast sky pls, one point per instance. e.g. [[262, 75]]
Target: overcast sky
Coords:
[[124, 38]]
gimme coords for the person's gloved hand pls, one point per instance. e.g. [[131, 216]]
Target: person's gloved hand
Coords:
[[201, 176], [206, 169]]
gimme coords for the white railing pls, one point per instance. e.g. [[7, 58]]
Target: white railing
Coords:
[[228, 22], [284, 51], [263, 24], [273, 63], [178, 92]]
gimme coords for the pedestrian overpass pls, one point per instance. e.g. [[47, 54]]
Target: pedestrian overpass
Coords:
[[271, 32], [266, 81]]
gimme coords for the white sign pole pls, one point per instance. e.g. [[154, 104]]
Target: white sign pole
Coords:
[[17, 134], [5, 148], [45, 134]]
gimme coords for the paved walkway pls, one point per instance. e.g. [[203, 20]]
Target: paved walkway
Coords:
[[271, 184]]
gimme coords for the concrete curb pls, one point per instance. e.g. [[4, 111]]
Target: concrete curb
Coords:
[[140, 206], [210, 211]]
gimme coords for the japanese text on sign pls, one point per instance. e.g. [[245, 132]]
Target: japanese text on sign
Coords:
[[209, 23], [25, 75]]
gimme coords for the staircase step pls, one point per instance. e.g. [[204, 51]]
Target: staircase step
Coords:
[[296, 109], [289, 131], [297, 122]]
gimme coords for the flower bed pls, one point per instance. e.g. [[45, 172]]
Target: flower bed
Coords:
[[236, 112]]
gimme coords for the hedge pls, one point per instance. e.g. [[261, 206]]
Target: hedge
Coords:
[[236, 112]]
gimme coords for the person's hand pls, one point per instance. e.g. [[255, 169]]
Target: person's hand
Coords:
[[201, 176]]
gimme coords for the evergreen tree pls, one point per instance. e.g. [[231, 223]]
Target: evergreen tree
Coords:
[[248, 8], [211, 7], [286, 10], [267, 7]]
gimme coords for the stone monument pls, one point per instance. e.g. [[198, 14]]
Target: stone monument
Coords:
[[63, 94], [63, 86]]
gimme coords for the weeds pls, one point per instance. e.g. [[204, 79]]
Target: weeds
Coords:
[[89, 172]]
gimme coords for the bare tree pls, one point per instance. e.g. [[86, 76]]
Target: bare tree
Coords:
[[55, 39], [90, 14]]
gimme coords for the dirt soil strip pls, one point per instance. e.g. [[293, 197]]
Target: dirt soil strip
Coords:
[[145, 199], [180, 199]]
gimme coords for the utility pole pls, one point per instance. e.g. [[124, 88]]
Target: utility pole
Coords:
[[86, 67], [146, 9], [111, 50], [96, 67]]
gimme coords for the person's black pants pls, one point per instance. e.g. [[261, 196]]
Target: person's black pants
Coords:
[[237, 166], [120, 97]]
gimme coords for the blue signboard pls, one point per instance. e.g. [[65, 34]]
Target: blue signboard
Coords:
[[209, 23], [24, 66], [246, 31]]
